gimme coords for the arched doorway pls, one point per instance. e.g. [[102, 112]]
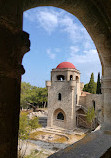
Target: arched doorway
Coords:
[[59, 118]]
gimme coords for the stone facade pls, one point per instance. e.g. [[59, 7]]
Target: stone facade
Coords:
[[68, 88], [66, 82]]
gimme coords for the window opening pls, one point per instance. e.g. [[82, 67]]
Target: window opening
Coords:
[[59, 96], [60, 78], [60, 116], [94, 104], [71, 77], [77, 79]]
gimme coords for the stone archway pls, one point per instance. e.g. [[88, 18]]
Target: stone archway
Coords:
[[59, 118], [94, 15]]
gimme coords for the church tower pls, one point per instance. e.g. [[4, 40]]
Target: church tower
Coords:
[[63, 94]]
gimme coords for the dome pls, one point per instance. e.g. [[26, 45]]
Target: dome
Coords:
[[66, 65]]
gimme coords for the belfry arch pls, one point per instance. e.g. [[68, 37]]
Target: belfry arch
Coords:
[[14, 43]]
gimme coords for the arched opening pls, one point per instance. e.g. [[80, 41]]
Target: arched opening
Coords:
[[60, 116], [71, 77], [59, 96], [95, 15], [60, 77], [77, 79]]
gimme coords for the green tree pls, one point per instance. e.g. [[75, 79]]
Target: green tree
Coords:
[[98, 90], [26, 125], [90, 115], [92, 85], [86, 88], [33, 95]]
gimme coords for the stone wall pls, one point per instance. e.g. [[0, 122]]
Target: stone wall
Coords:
[[66, 104], [88, 102]]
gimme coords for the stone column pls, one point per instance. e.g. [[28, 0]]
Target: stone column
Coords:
[[13, 45], [107, 103]]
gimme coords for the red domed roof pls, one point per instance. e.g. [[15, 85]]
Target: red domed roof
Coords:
[[67, 65]]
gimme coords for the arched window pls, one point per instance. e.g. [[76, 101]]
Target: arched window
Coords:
[[77, 79], [71, 77], [60, 77], [59, 96], [60, 116], [94, 104]]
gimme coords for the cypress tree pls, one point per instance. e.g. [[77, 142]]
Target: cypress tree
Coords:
[[98, 90], [92, 85]]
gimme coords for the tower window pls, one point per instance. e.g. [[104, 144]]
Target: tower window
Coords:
[[71, 77], [59, 96], [60, 77], [60, 116], [77, 79]]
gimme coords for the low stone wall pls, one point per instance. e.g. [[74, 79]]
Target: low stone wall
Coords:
[[94, 145]]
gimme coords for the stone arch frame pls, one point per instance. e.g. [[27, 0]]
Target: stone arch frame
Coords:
[[94, 15], [96, 20], [56, 113]]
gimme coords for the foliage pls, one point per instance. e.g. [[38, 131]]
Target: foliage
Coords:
[[26, 125], [32, 95], [91, 86], [33, 123], [90, 115], [98, 90], [23, 126], [85, 87]]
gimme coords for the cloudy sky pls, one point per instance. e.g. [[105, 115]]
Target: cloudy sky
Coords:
[[57, 36]]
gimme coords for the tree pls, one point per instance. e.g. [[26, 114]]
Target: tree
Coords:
[[26, 125], [86, 88], [90, 115], [92, 85], [32, 95], [98, 90]]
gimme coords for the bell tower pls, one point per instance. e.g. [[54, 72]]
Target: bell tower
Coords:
[[63, 94]]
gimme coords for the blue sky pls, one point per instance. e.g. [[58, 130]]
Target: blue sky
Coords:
[[57, 36]]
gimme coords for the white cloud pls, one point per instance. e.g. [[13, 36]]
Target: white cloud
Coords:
[[86, 61], [47, 20], [50, 54], [50, 19], [82, 53]]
